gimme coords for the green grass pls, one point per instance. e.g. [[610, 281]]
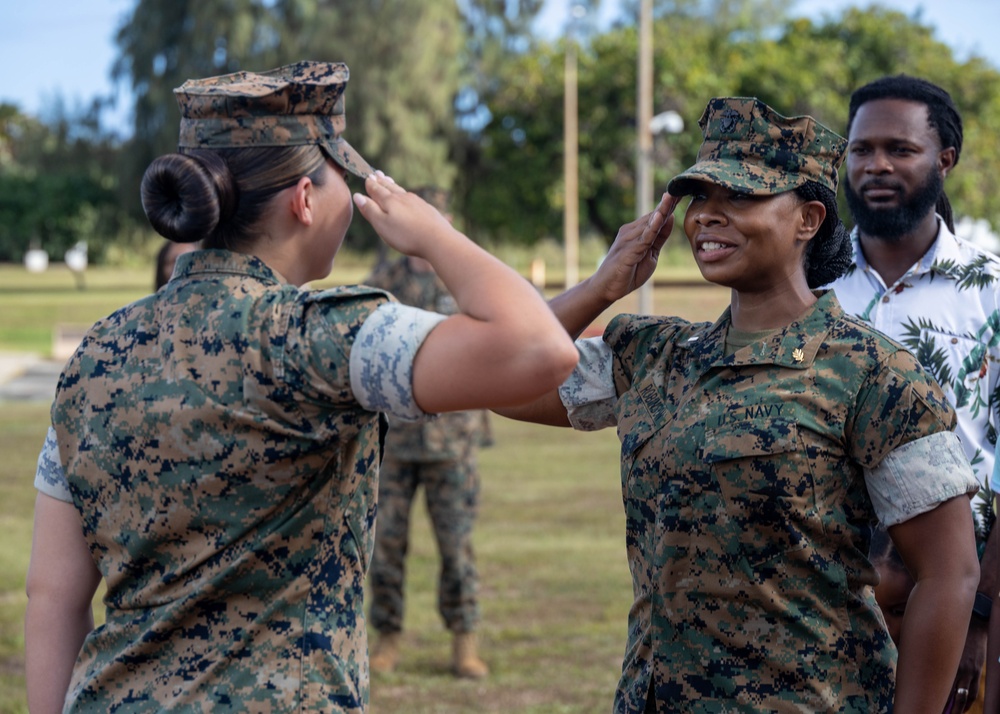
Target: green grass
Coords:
[[555, 588], [32, 305]]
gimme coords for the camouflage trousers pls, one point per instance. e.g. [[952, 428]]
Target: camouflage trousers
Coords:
[[451, 489]]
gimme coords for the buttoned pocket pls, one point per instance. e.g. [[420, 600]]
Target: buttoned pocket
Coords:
[[767, 487]]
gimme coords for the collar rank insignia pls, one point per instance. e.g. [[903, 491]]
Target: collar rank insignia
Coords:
[[798, 355]]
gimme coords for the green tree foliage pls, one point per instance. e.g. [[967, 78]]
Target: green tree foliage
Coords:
[[403, 56], [463, 94], [58, 184], [726, 47]]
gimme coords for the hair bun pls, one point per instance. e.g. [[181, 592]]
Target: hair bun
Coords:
[[186, 197]]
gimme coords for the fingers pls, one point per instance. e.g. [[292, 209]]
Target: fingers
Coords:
[[659, 223], [379, 183], [379, 187]]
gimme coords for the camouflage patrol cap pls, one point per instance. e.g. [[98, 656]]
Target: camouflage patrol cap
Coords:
[[750, 148], [294, 105]]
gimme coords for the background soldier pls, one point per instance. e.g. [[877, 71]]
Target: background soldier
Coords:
[[440, 455]]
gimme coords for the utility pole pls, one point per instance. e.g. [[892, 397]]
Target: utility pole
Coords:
[[644, 117], [571, 164]]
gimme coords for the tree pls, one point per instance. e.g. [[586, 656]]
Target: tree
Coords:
[[58, 183]]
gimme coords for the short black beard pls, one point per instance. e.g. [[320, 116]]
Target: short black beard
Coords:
[[891, 224]]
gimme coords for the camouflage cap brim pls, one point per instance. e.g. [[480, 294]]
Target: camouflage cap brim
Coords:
[[348, 157], [737, 176]]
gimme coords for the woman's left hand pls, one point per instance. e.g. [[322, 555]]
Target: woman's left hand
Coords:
[[632, 258]]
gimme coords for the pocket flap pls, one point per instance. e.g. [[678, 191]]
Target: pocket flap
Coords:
[[742, 440]]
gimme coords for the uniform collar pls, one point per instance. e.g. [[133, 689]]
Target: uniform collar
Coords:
[[213, 261], [794, 346]]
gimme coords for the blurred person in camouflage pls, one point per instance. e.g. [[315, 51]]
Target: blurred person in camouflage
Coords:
[[757, 451], [215, 446], [914, 280], [439, 455]]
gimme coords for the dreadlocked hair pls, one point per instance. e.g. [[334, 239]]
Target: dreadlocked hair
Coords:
[[828, 254], [942, 115]]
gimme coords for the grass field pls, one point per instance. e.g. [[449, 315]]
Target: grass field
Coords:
[[555, 589]]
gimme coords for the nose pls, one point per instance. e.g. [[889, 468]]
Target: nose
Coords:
[[707, 213], [878, 163]]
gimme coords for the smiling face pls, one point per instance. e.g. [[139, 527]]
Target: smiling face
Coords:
[[752, 244], [895, 167]]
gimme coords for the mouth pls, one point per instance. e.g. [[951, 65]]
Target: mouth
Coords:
[[711, 249], [880, 193]]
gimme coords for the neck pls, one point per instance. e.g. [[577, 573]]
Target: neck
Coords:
[[891, 259], [753, 312], [283, 260]]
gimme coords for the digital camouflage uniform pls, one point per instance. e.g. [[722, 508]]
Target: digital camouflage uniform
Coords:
[[440, 455], [223, 468], [746, 510], [750, 480], [232, 519]]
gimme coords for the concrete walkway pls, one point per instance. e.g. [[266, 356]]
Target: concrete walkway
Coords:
[[28, 377]]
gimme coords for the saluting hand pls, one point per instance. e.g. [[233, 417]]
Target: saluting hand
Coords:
[[403, 220], [632, 258]]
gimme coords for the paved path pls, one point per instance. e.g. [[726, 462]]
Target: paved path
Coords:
[[27, 377]]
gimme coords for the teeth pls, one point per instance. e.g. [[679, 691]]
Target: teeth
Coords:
[[712, 245]]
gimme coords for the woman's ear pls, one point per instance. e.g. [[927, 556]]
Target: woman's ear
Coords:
[[812, 213], [302, 201]]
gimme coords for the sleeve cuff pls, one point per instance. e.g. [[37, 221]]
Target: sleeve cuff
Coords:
[[382, 359], [589, 392], [50, 478], [918, 476]]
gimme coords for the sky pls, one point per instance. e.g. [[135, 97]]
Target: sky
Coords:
[[63, 50]]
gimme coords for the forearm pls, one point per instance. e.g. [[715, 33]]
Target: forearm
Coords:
[[577, 308], [505, 347], [53, 636], [549, 410], [61, 583], [936, 620]]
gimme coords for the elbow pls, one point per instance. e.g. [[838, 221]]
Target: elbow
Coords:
[[557, 360]]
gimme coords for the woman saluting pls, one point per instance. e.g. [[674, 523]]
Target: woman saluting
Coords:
[[757, 451]]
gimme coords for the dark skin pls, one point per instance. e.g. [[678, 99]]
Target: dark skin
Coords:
[[756, 247], [892, 142]]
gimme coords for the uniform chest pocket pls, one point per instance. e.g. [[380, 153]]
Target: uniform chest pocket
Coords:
[[764, 476]]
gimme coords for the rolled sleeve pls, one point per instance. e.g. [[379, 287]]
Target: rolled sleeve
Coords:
[[382, 359], [50, 478], [918, 476], [589, 392]]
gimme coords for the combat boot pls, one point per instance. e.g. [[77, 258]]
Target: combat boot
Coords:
[[465, 660], [385, 654]]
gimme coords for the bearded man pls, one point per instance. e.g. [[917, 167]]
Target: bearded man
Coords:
[[937, 294]]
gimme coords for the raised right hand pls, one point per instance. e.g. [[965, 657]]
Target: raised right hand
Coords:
[[403, 220], [632, 258]]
